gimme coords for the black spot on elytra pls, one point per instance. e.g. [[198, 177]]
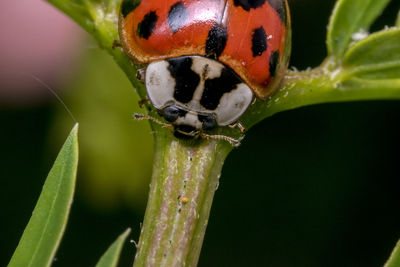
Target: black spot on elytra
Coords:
[[128, 6], [185, 78], [259, 42], [280, 8], [247, 4], [215, 88], [216, 41], [273, 63], [177, 16], [146, 26], [180, 131]]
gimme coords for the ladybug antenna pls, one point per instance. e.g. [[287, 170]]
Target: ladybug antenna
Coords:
[[231, 140], [37, 79], [148, 117]]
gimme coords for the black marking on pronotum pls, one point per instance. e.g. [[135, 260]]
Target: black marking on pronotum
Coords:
[[186, 80], [177, 16], [215, 88], [259, 42], [273, 63], [206, 70], [128, 6], [247, 4], [280, 8], [146, 26], [180, 131], [216, 41]]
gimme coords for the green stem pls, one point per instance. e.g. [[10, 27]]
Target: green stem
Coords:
[[318, 86], [185, 177]]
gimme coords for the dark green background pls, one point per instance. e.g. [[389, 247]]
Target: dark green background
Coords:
[[316, 186]]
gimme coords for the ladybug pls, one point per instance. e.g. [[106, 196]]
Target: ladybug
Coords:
[[206, 60]]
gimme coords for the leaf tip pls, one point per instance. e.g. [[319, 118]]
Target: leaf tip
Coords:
[[74, 130], [73, 135], [127, 232]]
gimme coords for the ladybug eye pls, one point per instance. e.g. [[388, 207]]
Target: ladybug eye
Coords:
[[171, 113], [208, 122]]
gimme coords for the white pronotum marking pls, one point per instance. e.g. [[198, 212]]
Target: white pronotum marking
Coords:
[[160, 87]]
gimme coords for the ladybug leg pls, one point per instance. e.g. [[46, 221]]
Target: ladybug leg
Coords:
[[148, 117], [231, 140], [141, 75], [238, 125], [143, 101], [116, 44]]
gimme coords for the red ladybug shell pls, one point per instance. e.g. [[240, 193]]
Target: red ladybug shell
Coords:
[[252, 37]]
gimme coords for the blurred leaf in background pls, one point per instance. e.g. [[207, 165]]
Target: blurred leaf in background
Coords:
[[116, 150]]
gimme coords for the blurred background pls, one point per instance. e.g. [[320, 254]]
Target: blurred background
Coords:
[[322, 187]]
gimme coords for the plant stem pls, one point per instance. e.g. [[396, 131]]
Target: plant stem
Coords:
[[185, 177], [317, 86]]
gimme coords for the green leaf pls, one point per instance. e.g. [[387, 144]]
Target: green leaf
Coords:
[[348, 18], [375, 57], [111, 256], [45, 229], [397, 24], [394, 260]]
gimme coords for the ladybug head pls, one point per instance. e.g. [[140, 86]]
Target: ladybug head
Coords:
[[187, 123], [196, 91]]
